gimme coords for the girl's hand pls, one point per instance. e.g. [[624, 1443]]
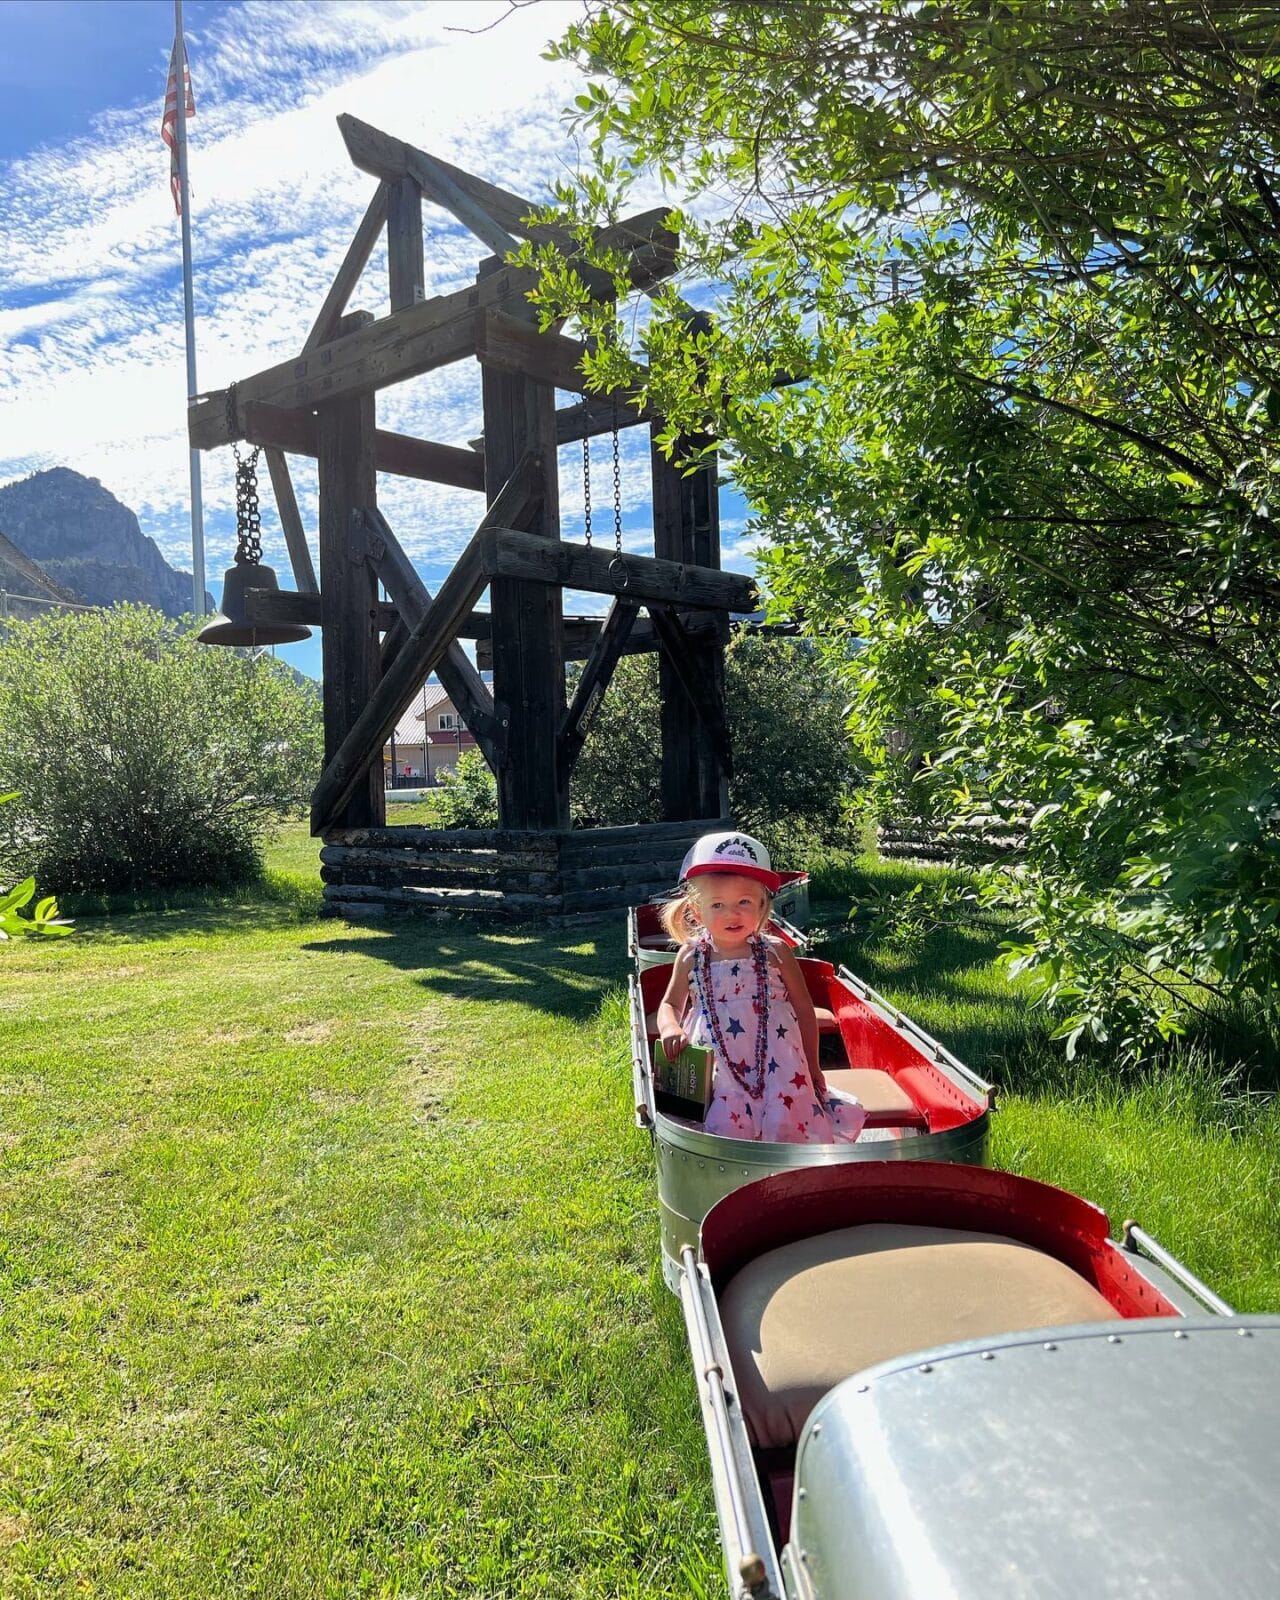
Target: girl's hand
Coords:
[[674, 1041]]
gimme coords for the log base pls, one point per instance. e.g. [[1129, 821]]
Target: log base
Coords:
[[499, 874]]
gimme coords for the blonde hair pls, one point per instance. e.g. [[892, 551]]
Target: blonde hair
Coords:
[[680, 915]]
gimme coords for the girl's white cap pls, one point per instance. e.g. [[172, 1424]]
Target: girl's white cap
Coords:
[[737, 853]]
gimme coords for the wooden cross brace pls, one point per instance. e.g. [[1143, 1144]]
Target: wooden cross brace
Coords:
[[425, 648], [498, 550]]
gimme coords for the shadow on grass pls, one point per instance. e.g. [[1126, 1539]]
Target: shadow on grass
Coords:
[[563, 971], [276, 900]]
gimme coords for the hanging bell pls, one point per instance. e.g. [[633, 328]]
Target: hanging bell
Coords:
[[232, 624]]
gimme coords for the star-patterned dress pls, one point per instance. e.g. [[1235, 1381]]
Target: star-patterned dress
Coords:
[[789, 1109]]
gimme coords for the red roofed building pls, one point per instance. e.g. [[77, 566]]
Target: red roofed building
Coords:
[[428, 740]]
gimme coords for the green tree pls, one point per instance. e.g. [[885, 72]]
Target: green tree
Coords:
[[143, 758], [793, 759], [1026, 259]]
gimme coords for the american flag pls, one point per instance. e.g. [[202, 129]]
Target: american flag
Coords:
[[169, 125]]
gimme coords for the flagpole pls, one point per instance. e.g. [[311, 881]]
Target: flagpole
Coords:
[[188, 306]]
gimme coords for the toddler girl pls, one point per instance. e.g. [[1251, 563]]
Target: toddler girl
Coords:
[[742, 995]]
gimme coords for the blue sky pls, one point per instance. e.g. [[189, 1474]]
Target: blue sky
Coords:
[[91, 344]]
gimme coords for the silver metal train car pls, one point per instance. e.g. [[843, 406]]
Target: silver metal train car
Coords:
[[928, 1382]]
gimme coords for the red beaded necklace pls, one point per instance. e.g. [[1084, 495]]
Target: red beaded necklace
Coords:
[[750, 1077]]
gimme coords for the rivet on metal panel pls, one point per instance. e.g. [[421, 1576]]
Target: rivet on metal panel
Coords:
[[1049, 1345], [1245, 1333], [926, 1366], [721, 1167], [1114, 1338], [863, 1388], [802, 1494], [804, 1556], [988, 1355], [1179, 1333], [815, 1430]]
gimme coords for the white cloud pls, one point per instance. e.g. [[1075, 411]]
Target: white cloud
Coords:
[[92, 372]]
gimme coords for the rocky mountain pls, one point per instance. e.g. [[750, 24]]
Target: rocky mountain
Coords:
[[87, 543], [25, 587]]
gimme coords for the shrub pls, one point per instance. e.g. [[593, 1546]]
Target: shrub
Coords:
[[467, 796], [144, 759], [792, 752]]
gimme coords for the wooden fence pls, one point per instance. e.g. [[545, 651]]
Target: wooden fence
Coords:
[[964, 841]]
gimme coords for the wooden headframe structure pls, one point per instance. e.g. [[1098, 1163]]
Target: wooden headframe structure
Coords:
[[376, 654]]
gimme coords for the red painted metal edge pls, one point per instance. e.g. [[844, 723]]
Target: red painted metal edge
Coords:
[[795, 1205]]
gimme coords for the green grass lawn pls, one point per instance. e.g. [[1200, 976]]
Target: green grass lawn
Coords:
[[329, 1254]]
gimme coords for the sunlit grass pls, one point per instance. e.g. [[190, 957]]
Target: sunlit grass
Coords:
[[328, 1269]]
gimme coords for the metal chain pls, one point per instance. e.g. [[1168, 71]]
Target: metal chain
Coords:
[[248, 512], [586, 485], [617, 490]]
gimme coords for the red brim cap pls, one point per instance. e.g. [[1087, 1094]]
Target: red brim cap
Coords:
[[737, 869]]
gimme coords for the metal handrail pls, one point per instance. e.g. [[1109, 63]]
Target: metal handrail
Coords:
[[1138, 1242], [746, 1562], [641, 1077], [899, 1019]]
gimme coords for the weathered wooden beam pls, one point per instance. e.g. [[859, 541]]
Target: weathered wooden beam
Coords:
[[295, 535], [424, 650], [587, 419], [644, 238], [689, 666], [642, 640], [409, 457], [509, 211], [277, 428], [514, 345], [686, 527], [348, 274], [393, 641], [374, 151], [580, 635], [463, 684], [405, 264], [594, 681], [418, 339], [295, 606], [528, 619], [349, 594], [422, 653], [596, 415], [643, 578], [291, 605], [650, 246]]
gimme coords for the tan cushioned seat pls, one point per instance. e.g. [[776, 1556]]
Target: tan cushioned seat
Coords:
[[879, 1091], [801, 1318], [826, 1020]]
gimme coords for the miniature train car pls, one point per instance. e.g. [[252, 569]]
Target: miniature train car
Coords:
[[922, 1103], [935, 1382]]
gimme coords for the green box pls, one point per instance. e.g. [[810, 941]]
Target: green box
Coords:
[[682, 1088]]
